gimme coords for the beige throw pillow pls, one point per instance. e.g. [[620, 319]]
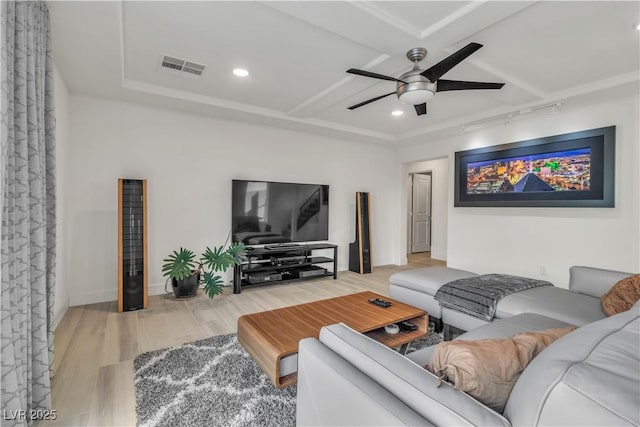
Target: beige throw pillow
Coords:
[[621, 296], [488, 369]]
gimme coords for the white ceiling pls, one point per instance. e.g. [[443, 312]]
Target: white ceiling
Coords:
[[297, 53]]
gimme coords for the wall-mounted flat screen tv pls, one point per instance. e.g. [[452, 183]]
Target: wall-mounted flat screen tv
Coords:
[[279, 212]]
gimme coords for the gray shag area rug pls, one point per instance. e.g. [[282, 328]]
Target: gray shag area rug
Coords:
[[213, 382]]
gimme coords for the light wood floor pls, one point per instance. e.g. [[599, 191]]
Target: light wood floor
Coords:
[[95, 345]]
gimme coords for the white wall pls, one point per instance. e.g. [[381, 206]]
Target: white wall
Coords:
[[439, 169], [545, 242], [61, 94], [189, 162]]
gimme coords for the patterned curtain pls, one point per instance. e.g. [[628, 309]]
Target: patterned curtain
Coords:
[[28, 205]]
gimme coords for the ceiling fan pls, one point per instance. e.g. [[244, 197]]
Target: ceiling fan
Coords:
[[417, 86]]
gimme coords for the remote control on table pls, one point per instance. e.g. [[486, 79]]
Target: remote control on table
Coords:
[[380, 302], [407, 326]]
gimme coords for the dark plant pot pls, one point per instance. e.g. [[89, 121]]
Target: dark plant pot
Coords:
[[186, 288]]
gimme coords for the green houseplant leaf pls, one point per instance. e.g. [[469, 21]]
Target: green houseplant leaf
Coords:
[[179, 265], [217, 259], [212, 284], [237, 252]]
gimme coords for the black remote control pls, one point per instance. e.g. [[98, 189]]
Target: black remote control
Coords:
[[380, 302], [407, 326]]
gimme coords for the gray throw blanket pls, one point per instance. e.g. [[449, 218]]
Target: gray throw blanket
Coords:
[[479, 296]]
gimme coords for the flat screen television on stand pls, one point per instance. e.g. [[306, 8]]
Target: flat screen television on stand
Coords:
[[279, 213]]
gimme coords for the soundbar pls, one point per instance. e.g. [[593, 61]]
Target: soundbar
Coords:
[[282, 246]]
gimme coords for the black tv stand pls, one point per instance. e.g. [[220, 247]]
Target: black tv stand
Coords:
[[282, 264]]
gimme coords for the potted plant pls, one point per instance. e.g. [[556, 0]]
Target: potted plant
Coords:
[[187, 274]]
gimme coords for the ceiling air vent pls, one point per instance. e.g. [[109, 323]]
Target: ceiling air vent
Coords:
[[181, 65], [193, 68], [172, 63]]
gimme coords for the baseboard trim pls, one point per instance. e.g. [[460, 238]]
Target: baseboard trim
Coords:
[[93, 297], [158, 289], [57, 317], [108, 295]]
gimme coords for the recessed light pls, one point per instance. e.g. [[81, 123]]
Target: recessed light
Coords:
[[638, 27], [240, 72], [397, 113]]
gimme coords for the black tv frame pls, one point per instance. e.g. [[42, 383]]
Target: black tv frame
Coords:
[[293, 243], [600, 141]]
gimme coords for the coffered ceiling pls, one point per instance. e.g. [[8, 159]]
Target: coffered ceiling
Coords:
[[297, 54]]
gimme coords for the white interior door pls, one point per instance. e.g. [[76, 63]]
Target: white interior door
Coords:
[[421, 213]]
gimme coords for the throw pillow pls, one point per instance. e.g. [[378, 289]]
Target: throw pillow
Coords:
[[488, 369], [621, 296]]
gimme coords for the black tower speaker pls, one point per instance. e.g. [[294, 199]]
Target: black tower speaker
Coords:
[[360, 250], [132, 244]]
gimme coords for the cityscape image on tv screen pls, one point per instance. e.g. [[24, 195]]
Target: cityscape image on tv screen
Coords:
[[556, 171]]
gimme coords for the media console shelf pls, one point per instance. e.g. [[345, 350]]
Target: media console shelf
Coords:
[[282, 264]]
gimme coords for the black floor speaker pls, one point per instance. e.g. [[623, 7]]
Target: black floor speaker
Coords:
[[132, 244], [360, 250]]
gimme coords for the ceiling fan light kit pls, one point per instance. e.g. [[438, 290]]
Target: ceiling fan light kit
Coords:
[[417, 90], [414, 88], [418, 86]]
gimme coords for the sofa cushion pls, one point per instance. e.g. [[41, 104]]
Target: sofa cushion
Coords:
[[417, 299], [592, 281], [487, 369], [428, 279], [621, 296], [589, 377], [558, 303], [417, 287], [502, 328], [410, 383]]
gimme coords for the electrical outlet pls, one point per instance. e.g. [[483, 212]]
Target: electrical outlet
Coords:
[[543, 270]]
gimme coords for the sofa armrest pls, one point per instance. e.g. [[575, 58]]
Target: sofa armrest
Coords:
[[332, 392], [420, 390], [593, 281]]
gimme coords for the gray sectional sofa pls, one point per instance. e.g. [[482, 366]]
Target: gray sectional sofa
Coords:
[[578, 305], [588, 377]]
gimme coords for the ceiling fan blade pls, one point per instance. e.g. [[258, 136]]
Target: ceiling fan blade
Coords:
[[421, 109], [373, 75], [353, 107], [444, 85], [438, 70]]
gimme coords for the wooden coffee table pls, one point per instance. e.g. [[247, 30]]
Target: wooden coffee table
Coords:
[[271, 337]]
